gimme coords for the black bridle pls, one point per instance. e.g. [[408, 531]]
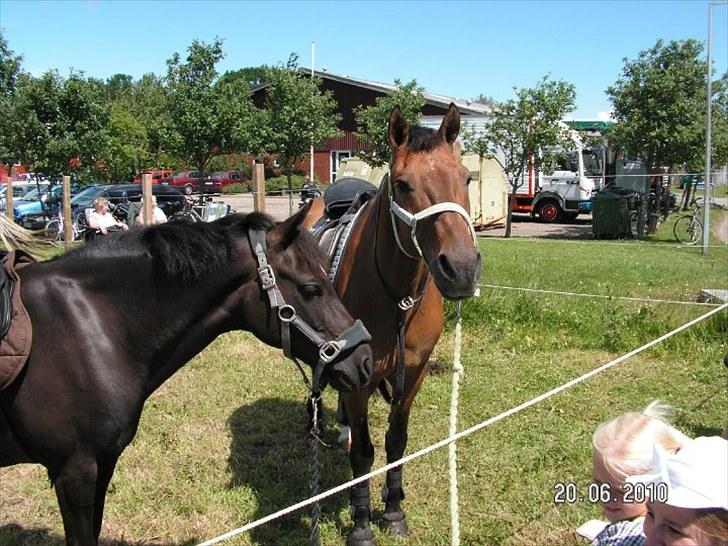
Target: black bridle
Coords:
[[328, 350]]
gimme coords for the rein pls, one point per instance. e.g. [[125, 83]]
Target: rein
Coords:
[[328, 350]]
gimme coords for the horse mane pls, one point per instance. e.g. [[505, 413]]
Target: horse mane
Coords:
[[423, 139], [184, 251]]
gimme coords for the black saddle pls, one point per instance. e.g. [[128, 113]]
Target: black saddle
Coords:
[[342, 194]]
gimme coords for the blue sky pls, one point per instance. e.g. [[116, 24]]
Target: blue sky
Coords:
[[460, 49]]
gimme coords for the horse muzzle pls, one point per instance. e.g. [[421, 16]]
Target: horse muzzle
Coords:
[[456, 274], [353, 371]]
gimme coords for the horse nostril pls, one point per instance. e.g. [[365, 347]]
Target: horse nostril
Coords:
[[446, 268]]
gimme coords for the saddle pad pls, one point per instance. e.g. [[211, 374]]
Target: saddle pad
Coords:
[[15, 346]]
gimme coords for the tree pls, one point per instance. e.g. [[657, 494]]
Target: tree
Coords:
[[372, 121], [659, 104], [9, 72], [298, 115], [522, 130], [207, 117], [125, 149], [57, 125]]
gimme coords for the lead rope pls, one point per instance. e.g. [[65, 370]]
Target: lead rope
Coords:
[[315, 470], [457, 374]]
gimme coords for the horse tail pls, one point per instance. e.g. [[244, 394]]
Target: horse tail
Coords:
[[384, 390], [14, 236]]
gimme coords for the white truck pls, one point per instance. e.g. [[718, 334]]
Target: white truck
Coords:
[[567, 191]]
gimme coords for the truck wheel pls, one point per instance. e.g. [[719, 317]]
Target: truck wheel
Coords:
[[188, 189], [549, 211]]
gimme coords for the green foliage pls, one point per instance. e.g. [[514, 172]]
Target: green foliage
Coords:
[[521, 128], [298, 115], [207, 116], [659, 104], [279, 184], [9, 67], [126, 146], [236, 188], [372, 121], [57, 126]]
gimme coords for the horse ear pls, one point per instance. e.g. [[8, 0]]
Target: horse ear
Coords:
[[398, 129], [450, 126], [291, 227]]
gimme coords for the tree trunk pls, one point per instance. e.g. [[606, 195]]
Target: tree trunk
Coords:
[[509, 213]]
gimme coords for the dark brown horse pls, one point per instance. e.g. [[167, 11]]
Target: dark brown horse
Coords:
[[115, 319], [412, 244]]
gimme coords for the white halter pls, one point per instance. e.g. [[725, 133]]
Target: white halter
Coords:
[[412, 219]]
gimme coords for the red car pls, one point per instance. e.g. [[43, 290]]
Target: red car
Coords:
[[225, 178], [157, 175], [189, 182]]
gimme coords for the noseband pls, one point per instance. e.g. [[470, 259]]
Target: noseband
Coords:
[[328, 350], [411, 219]]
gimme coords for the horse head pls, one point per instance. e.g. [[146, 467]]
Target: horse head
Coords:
[[314, 324], [429, 203]]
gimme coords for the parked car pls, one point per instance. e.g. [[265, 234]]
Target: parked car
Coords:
[[34, 209], [189, 182], [225, 178], [157, 175], [169, 199]]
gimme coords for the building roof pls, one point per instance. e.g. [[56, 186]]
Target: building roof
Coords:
[[467, 107]]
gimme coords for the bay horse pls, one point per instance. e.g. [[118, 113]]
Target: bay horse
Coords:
[[415, 230], [115, 319]]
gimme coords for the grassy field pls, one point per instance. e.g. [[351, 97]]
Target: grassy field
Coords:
[[222, 443]]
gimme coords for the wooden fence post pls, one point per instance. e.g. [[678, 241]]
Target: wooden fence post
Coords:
[[9, 200], [67, 218], [258, 187], [147, 207]]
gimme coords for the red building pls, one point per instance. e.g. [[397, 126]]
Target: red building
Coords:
[[351, 92]]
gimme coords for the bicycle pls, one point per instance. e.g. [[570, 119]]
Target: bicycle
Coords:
[[55, 232], [688, 229], [190, 213]]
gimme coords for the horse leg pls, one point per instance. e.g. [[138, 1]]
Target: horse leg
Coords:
[[393, 518], [361, 457], [76, 492], [105, 472]]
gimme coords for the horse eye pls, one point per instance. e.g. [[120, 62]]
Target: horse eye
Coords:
[[402, 186], [311, 290]]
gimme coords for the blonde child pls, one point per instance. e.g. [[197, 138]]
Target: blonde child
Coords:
[[623, 447]]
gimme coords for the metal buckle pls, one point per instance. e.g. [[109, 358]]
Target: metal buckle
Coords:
[[267, 277], [286, 313], [328, 351], [406, 303]]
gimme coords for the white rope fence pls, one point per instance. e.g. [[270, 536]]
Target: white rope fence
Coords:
[[460, 435], [603, 296]]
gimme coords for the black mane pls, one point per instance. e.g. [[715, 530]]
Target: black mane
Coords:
[[423, 139], [179, 250]]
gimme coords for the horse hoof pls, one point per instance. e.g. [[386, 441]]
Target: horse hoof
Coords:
[[361, 536], [395, 523]]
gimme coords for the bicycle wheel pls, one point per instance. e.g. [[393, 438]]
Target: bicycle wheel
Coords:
[[688, 230], [53, 230]]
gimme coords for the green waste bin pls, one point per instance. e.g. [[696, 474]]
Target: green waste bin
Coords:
[[611, 210]]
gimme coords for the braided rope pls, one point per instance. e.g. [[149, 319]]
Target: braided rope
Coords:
[[315, 471], [457, 374]]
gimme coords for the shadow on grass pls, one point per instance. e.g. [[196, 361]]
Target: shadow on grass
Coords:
[[16, 535], [271, 455]]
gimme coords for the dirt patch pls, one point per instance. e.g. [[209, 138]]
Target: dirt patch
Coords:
[[720, 229]]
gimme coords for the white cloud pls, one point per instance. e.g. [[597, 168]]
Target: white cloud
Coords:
[[604, 116]]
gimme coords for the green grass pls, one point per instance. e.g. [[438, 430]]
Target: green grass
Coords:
[[222, 443]]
